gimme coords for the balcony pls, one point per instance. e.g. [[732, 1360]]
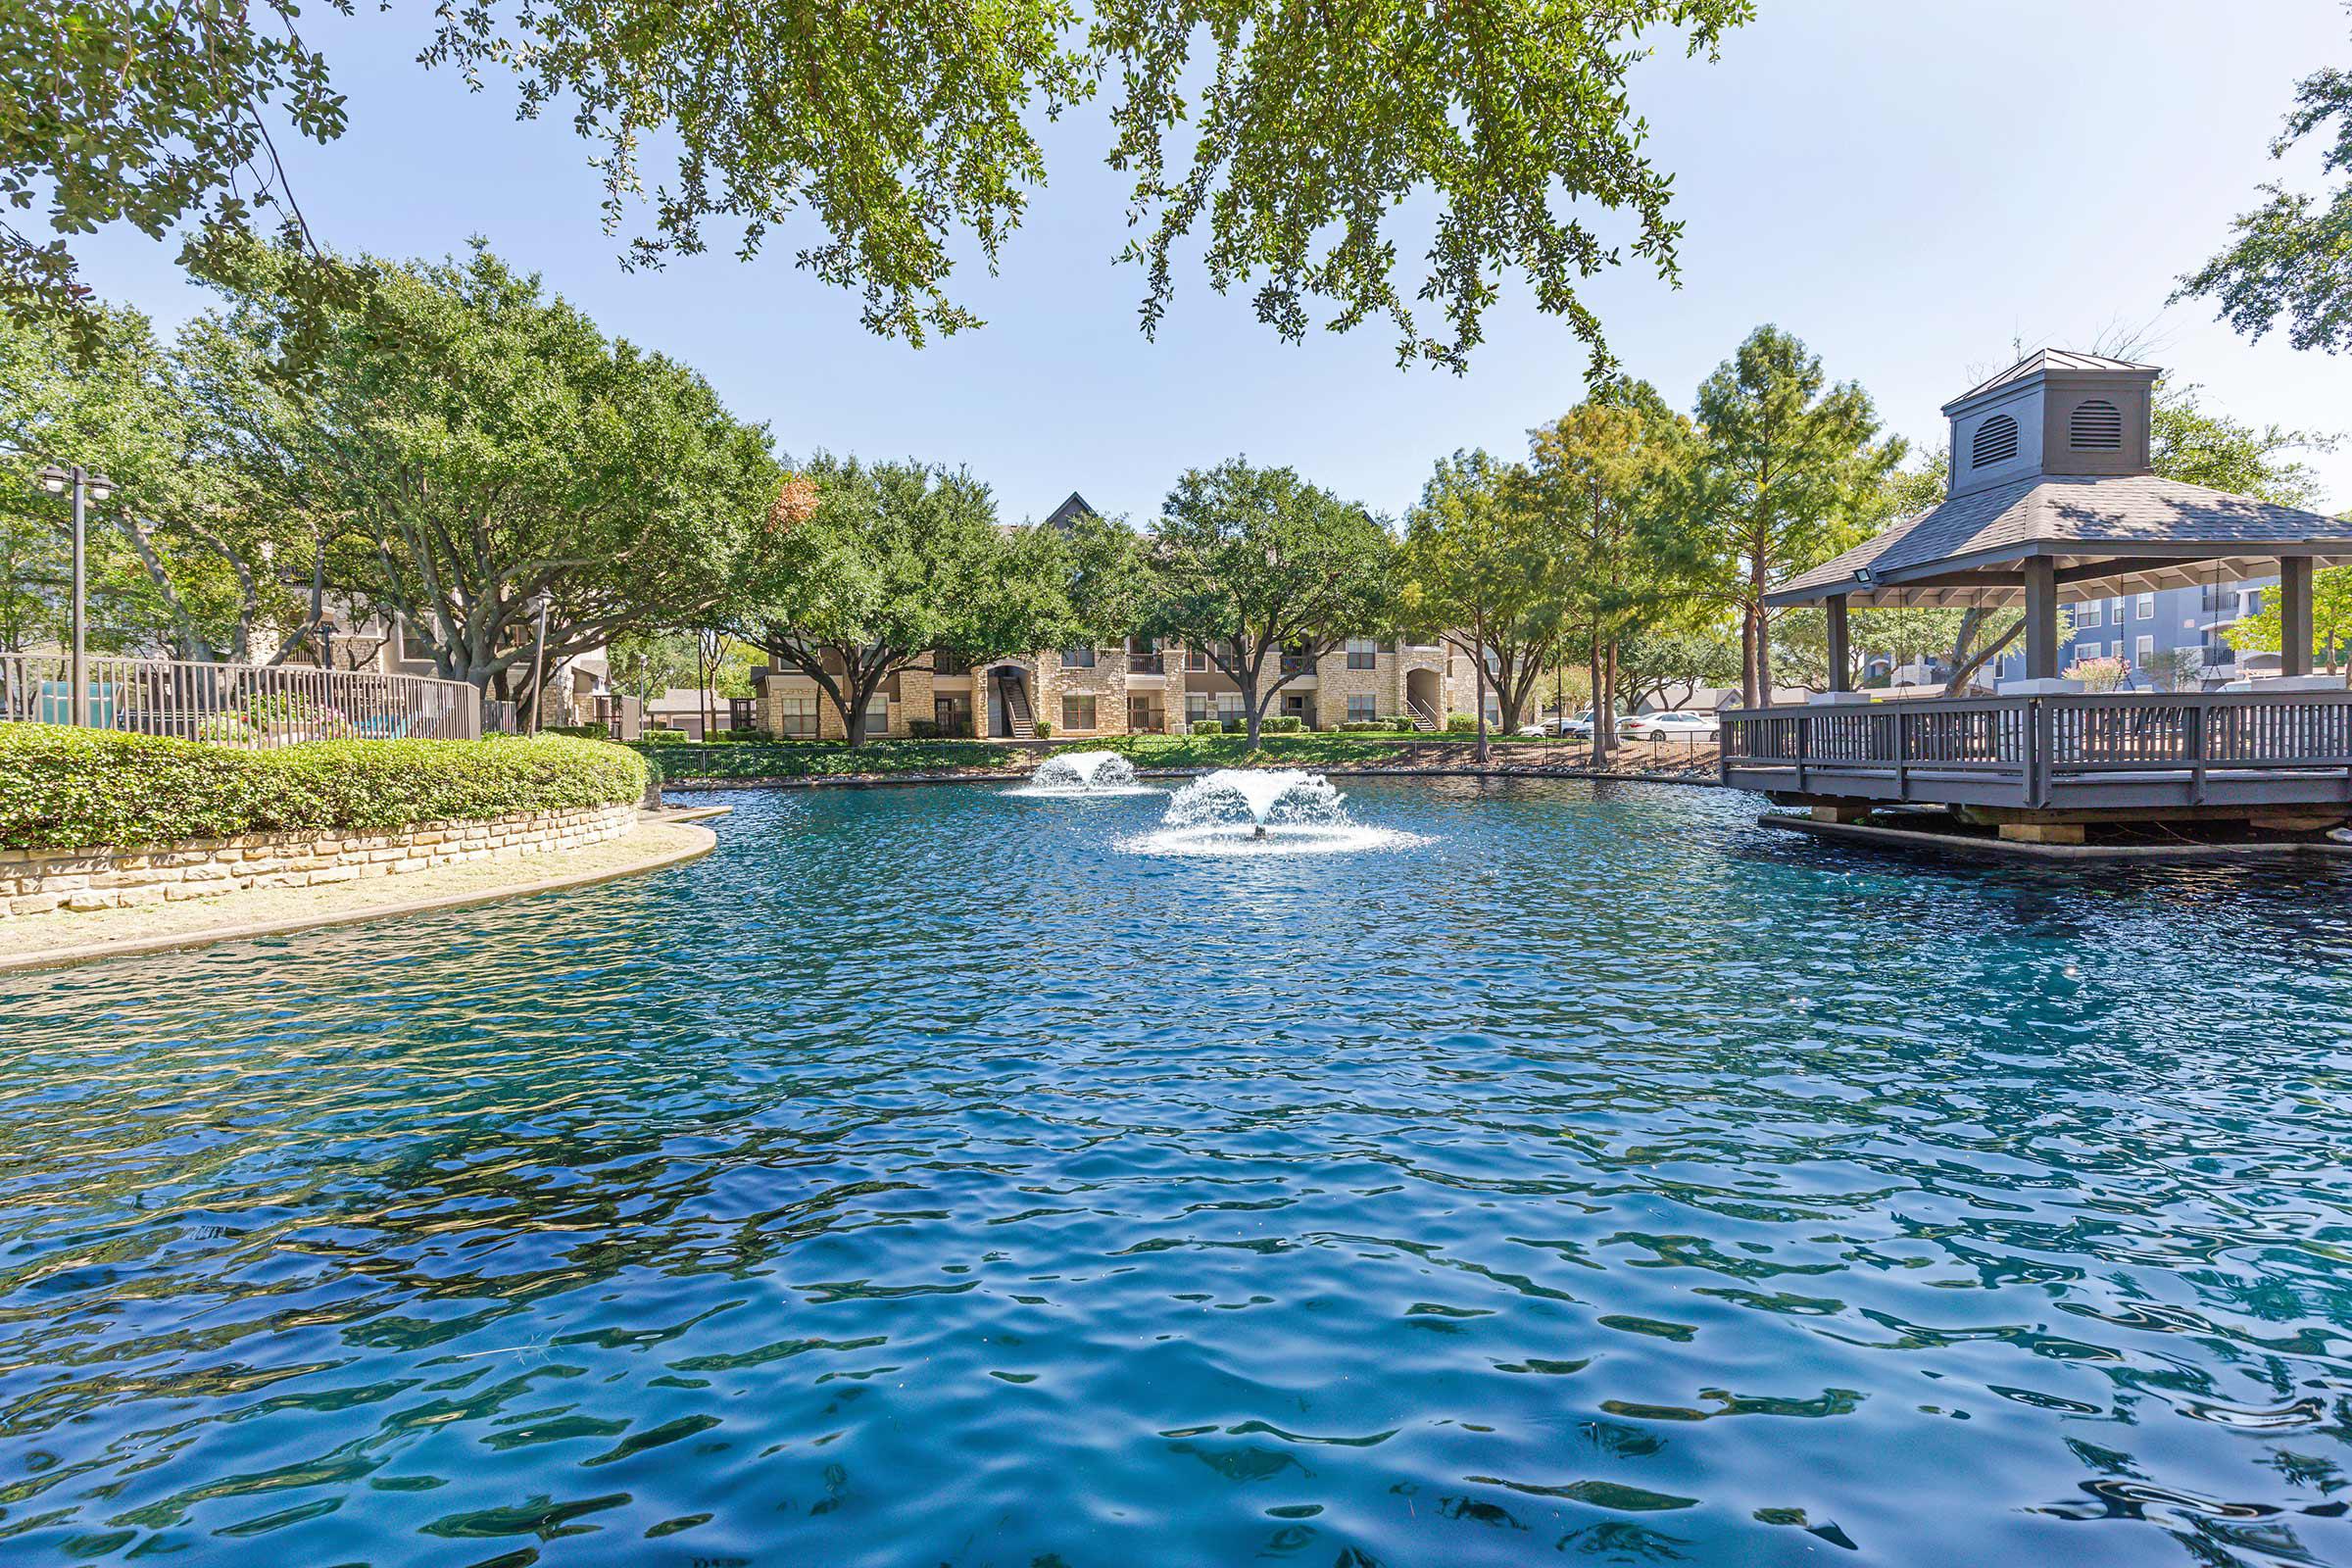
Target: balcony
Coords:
[[2120, 751]]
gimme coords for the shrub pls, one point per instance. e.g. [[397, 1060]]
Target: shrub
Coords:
[[1364, 726], [1403, 723], [666, 737], [67, 788], [1462, 724], [585, 732], [1283, 724], [1208, 726], [739, 737], [1045, 728], [922, 729]]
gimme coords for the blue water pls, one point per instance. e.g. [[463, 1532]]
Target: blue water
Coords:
[[924, 1179]]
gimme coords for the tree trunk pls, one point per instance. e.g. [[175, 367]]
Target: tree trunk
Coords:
[[1608, 675], [1747, 659], [1251, 719], [1605, 723]]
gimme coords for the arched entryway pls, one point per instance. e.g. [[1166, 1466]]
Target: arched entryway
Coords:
[[1424, 697]]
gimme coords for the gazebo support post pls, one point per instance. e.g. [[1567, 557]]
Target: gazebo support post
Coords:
[[2294, 615], [1834, 608], [2041, 618]]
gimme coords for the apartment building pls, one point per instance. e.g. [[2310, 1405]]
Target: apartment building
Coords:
[[1137, 687]]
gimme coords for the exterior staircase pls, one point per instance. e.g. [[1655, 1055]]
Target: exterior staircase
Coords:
[[1017, 717], [1423, 720]]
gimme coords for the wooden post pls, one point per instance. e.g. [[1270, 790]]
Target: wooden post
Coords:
[[1839, 679], [2042, 619], [2294, 615]]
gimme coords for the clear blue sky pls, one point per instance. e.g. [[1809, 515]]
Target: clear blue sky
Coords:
[[1907, 186]]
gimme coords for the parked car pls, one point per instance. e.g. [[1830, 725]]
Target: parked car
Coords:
[[1670, 726], [1578, 725]]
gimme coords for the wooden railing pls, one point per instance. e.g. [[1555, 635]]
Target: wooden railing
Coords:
[[2041, 740], [238, 705]]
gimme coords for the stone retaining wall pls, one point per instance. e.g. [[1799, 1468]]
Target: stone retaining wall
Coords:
[[32, 881]]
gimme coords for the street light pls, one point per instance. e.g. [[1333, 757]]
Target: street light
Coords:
[[86, 487], [538, 608]]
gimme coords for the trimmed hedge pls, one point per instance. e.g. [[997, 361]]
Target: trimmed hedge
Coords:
[[62, 788]]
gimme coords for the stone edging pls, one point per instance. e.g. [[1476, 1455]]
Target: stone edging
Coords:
[[702, 843], [36, 881]]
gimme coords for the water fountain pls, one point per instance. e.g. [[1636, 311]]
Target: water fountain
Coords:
[[1075, 775], [1262, 812]]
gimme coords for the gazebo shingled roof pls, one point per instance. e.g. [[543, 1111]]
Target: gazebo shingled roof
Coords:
[[2133, 531]]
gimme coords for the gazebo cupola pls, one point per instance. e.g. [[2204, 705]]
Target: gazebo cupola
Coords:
[[2052, 412], [2052, 501]]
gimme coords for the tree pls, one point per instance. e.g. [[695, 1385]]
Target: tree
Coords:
[[1790, 471], [478, 445], [2189, 444], [893, 137], [900, 559], [648, 663], [1611, 474], [182, 557], [2330, 621], [2288, 256], [1250, 564], [1651, 664], [1482, 565]]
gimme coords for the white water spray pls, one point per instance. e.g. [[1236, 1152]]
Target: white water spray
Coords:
[[1079, 774], [1262, 812]]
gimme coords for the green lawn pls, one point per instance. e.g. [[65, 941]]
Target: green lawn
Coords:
[[1227, 751]]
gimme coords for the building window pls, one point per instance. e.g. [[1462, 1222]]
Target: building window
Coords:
[[1361, 710], [796, 716], [2144, 607], [2142, 650], [2093, 613], [1077, 712], [1142, 715], [943, 662], [877, 714], [1362, 654], [1229, 707], [1078, 658], [1143, 656], [1195, 659], [1996, 442], [1196, 707], [2096, 427]]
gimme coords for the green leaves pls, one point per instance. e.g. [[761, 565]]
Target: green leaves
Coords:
[[65, 788], [2292, 256], [1282, 136]]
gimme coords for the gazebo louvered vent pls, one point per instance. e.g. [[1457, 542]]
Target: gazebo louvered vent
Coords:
[[2096, 427], [1996, 442]]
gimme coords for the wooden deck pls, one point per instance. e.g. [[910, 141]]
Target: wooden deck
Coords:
[[2118, 752]]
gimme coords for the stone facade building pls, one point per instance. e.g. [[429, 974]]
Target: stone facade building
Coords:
[[1135, 688]]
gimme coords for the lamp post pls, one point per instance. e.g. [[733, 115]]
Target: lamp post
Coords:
[[86, 487], [538, 608]]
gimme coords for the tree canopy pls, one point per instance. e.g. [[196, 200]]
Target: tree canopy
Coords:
[[2290, 256], [1791, 469], [478, 444], [1483, 564], [1281, 141], [901, 559], [1249, 562]]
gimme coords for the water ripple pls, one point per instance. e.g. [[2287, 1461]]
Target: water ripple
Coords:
[[926, 1176]]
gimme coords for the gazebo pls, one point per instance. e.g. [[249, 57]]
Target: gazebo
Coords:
[[2052, 501]]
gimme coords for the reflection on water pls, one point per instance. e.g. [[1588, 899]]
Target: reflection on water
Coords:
[[924, 1179]]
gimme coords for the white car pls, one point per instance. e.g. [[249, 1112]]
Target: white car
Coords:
[[1669, 726], [1579, 726]]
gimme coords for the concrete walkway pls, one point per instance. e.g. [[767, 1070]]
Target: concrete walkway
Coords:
[[66, 936]]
